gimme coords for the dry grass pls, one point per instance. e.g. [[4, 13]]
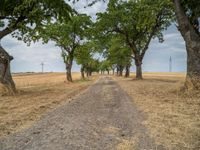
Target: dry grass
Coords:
[[38, 94], [173, 118], [127, 144]]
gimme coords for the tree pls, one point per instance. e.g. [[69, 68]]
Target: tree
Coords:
[[119, 55], [23, 18], [69, 36], [92, 66], [105, 66], [138, 22], [187, 14], [83, 57]]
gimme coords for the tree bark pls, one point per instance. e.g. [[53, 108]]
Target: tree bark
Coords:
[[113, 71], [117, 70], [192, 41], [138, 64], [68, 73], [87, 73], [82, 72], [7, 83], [120, 70], [68, 64], [127, 74], [90, 73]]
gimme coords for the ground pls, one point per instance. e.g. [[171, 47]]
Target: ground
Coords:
[[103, 117], [173, 118], [38, 94], [104, 114]]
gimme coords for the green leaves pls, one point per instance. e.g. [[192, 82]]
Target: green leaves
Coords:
[[30, 16], [84, 54], [71, 36], [68, 35], [137, 21], [119, 53]]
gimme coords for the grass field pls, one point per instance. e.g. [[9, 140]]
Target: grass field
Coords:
[[173, 118], [38, 94]]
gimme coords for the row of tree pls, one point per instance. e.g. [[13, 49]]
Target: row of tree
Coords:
[[122, 33], [137, 22]]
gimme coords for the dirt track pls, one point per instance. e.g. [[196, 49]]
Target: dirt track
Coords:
[[102, 118]]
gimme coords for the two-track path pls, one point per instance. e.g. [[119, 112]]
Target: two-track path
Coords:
[[101, 118]]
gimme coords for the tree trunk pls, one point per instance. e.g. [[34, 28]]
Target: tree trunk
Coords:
[[139, 72], [68, 73], [87, 73], [90, 73], [193, 69], [7, 83], [192, 40], [69, 68], [138, 64], [82, 72], [108, 72], [127, 74], [117, 70], [113, 71], [120, 71]]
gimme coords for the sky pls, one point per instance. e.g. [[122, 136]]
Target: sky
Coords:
[[29, 58]]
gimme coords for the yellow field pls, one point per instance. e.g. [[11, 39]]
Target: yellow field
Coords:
[[38, 93], [173, 118], [30, 80]]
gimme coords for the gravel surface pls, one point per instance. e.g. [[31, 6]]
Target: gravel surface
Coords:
[[101, 118]]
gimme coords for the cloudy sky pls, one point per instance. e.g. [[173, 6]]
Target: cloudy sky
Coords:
[[29, 58]]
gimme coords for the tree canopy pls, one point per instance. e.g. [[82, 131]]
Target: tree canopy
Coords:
[[69, 36], [136, 28], [27, 16]]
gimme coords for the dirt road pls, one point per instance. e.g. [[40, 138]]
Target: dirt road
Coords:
[[101, 118]]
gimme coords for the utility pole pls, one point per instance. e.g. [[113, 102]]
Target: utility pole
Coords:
[[42, 64], [170, 64]]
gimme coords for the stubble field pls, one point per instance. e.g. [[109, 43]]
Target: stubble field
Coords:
[[37, 94], [173, 118]]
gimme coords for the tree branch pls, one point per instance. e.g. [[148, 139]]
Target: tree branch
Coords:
[[11, 27], [5, 32], [5, 17]]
